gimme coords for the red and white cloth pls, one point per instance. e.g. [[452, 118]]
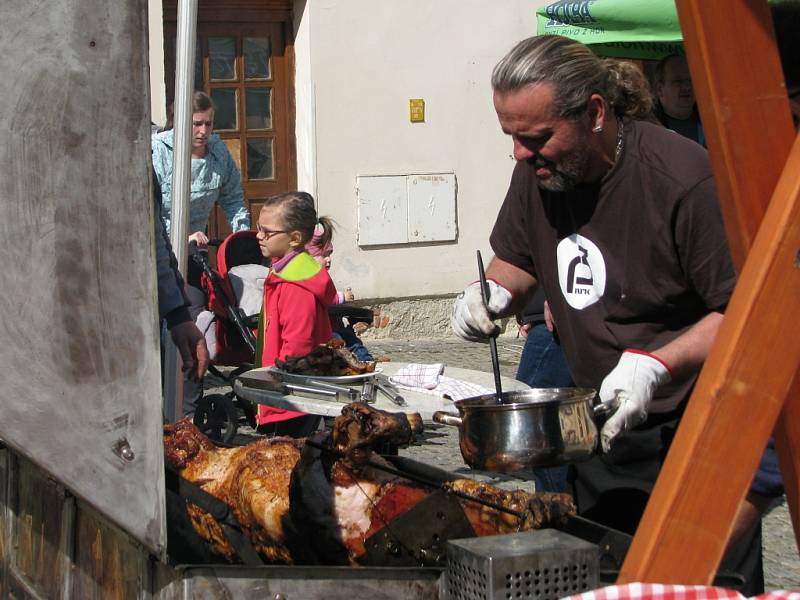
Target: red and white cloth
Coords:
[[416, 375], [430, 379], [657, 591]]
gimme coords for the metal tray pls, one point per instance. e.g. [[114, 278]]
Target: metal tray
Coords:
[[297, 378]]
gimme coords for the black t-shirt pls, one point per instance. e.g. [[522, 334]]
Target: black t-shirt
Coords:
[[631, 261], [689, 128]]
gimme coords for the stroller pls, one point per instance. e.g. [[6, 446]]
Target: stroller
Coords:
[[230, 324]]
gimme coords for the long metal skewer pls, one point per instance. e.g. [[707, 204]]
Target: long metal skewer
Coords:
[[492, 340], [421, 480]]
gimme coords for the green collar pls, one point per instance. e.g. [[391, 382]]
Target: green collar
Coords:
[[301, 267]]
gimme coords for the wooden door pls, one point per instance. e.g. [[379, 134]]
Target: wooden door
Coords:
[[244, 62]]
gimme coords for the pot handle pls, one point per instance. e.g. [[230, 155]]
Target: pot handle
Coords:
[[602, 411], [444, 418]]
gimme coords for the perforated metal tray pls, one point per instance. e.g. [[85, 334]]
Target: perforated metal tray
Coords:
[[545, 564]]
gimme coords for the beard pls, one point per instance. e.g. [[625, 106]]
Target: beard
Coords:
[[568, 171]]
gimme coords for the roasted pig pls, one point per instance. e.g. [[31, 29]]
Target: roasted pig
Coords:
[[317, 502]]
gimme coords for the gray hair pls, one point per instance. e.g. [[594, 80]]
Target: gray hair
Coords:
[[575, 74]]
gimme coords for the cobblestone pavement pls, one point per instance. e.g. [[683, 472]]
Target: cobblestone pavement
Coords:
[[439, 446]]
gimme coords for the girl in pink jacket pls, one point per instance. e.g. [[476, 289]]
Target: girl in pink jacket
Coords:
[[297, 294]]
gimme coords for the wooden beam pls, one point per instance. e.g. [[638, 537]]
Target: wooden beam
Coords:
[[745, 111], [733, 410], [738, 82], [787, 442]]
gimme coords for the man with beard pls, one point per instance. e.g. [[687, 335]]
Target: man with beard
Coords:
[[618, 220]]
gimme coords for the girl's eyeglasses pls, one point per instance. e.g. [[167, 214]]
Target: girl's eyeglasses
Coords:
[[268, 233]]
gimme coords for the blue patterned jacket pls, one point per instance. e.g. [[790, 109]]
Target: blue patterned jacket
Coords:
[[215, 178]]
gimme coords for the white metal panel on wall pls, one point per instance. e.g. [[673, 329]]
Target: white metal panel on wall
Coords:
[[382, 210], [406, 209], [432, 207]]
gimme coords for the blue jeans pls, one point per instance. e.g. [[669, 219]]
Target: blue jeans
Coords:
[[543, 365], [354, 344]]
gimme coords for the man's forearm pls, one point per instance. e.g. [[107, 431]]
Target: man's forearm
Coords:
[[520, 283], [687, 352]]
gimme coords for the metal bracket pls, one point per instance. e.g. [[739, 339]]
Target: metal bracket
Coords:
[[404, 543]]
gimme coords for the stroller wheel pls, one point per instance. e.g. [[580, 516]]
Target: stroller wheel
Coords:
[[249, 409], [216, 416]]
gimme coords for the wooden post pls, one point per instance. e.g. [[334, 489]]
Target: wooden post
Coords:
[[787, 442], [740, 393], [738, 82]]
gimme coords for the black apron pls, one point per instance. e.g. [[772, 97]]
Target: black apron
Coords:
[[613, 489]]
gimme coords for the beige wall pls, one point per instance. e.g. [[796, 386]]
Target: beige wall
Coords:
[[358, 64], [156, 49]]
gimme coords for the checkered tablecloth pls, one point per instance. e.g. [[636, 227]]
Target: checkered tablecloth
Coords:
[[430, 379], [656, 591]]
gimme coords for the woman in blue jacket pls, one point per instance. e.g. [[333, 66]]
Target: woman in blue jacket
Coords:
[[215, 177]]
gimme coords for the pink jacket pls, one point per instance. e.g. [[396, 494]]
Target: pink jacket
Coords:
[[296, 301]]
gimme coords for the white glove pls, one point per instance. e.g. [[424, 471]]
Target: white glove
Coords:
[[628, 391], [470, 319]]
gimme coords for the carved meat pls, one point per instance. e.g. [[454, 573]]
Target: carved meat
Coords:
[[538, 510], [360, 427], [301, 504], [328, 360]]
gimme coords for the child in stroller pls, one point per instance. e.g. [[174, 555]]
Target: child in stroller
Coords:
[[235, 292]]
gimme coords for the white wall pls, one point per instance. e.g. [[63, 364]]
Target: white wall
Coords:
[[158, 110], [358, 64], [305, 117]]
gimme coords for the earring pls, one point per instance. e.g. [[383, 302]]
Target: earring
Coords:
[[598, 129]]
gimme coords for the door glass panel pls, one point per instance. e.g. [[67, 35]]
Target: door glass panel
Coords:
[[222, 58], [258, 108], [259, 159], [198, 66], [256, 57], [225, 103]]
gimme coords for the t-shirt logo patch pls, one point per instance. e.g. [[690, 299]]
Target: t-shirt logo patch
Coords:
[[581, 271]]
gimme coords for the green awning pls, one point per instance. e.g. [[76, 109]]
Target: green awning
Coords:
[[642, 29]]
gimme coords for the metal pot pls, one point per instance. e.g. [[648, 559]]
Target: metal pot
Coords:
[[531, 428]]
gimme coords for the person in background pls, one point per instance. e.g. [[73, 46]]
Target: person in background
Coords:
[[215, 176], [322, 250], [172, 302], [675, 104], [297, 294], [215, 179], [618, 220]]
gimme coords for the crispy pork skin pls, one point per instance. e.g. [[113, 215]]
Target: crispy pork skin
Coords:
[[253, 480], [537, 510], [360, 427]]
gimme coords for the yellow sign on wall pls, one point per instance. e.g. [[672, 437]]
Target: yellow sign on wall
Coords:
[[416, 109]]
